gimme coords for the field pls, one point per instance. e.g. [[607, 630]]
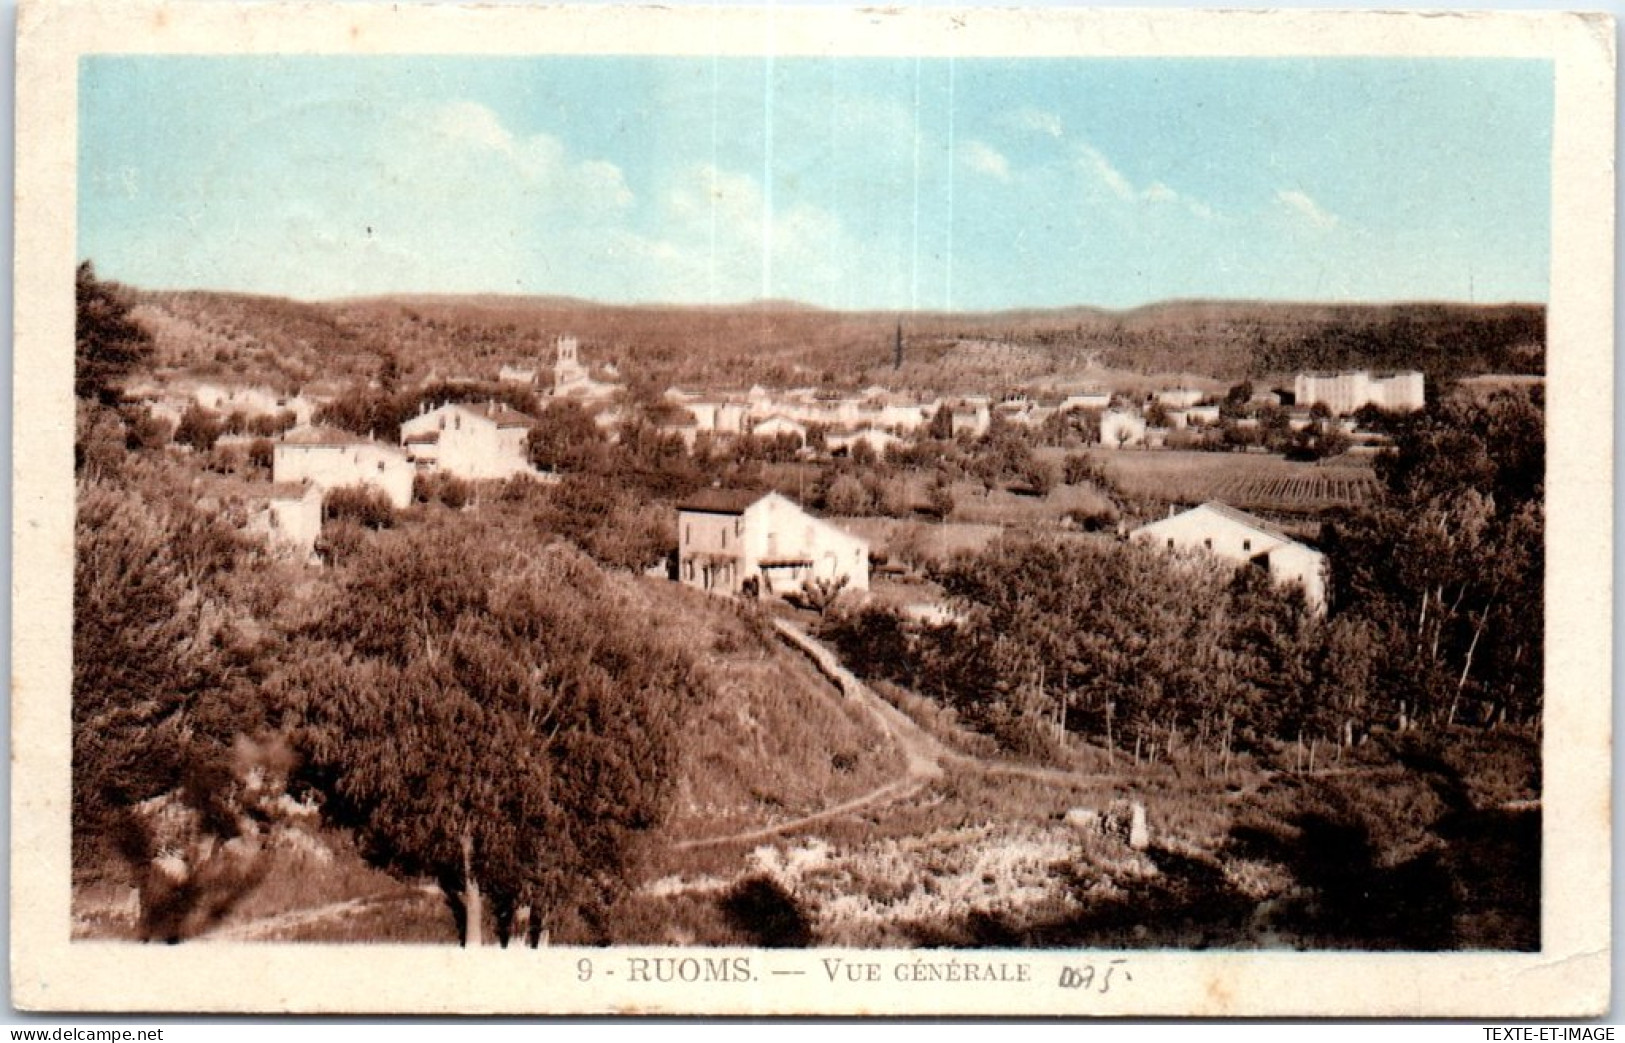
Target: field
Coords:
[[1251, 481]]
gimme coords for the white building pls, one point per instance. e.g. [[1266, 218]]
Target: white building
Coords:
[[510, 374], [329, 458], [1345, 393], [291, 519], [1120, 428], [252, 402], [779, 425], [1239, 537], [476, 441], [1180, 398], [1097, 399], [972, 416], [720, 415], [735, 542]]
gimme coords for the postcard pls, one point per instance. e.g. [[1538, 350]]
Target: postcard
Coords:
[[812, 511]]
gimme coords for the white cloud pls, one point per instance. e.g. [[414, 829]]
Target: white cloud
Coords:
[[1159, 193], [428, 197], [984, 159], [719, 240], [1302, 206], [456, 146], [1097, 165], [1040, 121], [1102, 172]]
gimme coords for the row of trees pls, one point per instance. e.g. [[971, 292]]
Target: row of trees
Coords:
[[1436, 616]]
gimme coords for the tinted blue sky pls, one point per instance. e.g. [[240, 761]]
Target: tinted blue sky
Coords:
[[885, 183]]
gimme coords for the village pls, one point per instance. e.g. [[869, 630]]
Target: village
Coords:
[[1017, 625], [763, 542]]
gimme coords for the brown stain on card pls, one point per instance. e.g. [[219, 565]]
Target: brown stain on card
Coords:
[[1219, 996]]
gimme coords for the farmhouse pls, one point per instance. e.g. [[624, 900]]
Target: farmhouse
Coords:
[[1239, 537], [469, 440], [722, 415], [329, 458], [740, 542]]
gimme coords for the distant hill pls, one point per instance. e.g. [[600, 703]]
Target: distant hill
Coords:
[[784, 343]]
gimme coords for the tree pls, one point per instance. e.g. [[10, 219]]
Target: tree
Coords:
[[847, 495], [564, 439], [502, 721], [389, 372], [108, 343], [198, 428], [150, 703], [1236, 401], [364, 505], [1449, 566]]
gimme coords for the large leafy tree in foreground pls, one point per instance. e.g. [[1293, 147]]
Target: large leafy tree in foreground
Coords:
[[503, 723]]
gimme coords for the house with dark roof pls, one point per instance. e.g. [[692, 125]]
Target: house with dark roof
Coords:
[[736, 542], [1219, 529]]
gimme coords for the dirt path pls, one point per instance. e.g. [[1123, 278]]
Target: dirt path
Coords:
[[265, 927], [256, 930], [922, 753]]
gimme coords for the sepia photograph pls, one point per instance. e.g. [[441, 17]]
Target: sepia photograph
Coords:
[[760, 520]]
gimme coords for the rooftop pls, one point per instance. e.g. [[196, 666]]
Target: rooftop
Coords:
[[721, 501], [1243, 518], [323, 435]]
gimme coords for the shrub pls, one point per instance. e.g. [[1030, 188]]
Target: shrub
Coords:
[[447, 489], [262, 454], [762, 909], [361, 504]]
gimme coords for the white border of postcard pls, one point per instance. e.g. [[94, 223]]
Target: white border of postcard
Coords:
[[1569, 976]]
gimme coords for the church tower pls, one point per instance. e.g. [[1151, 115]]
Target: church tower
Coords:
[[568, 372]]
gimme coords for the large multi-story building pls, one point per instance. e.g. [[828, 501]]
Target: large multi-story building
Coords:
[[740, 542], [1347, 392], [469, 440]]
